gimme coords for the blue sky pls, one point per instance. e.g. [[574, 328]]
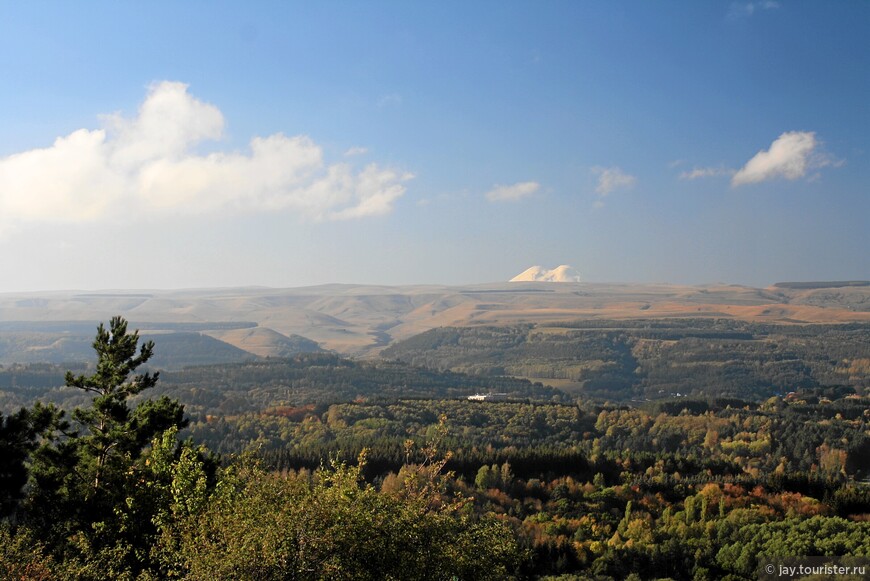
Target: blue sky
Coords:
[[170, 145]]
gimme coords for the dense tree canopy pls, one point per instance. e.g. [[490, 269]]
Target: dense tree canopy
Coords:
[[392, 488]]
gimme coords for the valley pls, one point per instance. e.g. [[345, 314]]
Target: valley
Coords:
[[361, 320]]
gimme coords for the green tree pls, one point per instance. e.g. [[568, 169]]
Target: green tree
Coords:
[[113, 432], [484, 478], [21, 557], [261, 525], [20, 434], [83, 479]]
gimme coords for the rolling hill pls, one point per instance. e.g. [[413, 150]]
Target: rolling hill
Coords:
[[361, 320]]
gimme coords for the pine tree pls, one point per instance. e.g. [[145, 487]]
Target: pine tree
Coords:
[[113, 433], [20, 434], [83, 478]]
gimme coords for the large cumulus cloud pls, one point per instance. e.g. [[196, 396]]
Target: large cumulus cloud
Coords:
[[150, 163]]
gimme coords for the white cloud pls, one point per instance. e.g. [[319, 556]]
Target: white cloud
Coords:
[[705, 172], [356, 151], [612, 178], [792, 155], [513, 192], [390, 100], [789, 157], [168, 123], [746, 9], [149, 163]]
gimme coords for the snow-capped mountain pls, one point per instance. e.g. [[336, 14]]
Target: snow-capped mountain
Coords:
[[563, 273]]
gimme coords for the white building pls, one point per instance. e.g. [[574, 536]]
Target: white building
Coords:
[[488, 397]]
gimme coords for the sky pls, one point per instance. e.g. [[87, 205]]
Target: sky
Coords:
[[159, 145]]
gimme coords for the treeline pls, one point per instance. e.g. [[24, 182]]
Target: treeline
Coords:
[[254, 386], [326, 378], [179, 349], [109, 492], [817, 285], [182, 344], [656, 358], [22, 385], [680, 489], [128, 486], [721, 438]]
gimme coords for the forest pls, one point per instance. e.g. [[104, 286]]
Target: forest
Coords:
[[254, 386], [318, 467], [649, 359]]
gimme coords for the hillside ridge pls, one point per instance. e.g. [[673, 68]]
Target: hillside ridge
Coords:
[[360, 320]]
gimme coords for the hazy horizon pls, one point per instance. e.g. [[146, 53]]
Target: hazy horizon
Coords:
[[287, 145], [108, 290]]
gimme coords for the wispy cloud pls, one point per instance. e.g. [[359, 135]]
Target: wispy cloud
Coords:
[[391, 99], [747, 9], [612, 178], [353, 151], [148, 163], [790, 156], [609, 180], [513, 192], [706, 172]]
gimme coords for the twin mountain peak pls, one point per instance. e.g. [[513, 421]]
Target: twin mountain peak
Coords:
[[563, 273]]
